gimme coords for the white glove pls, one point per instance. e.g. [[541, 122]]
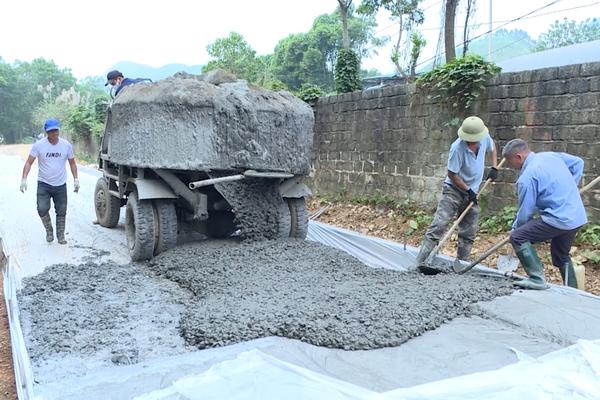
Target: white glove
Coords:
[[23, 185], [76, 185]]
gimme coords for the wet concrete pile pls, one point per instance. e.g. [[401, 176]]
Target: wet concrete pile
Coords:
[[209, 122], [215, 293], [311, 292], [114, 314]]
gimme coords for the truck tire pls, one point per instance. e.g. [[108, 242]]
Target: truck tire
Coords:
[[220, 224], [283, 220], [166, 225], [139, 228], [107, 206], [298, 217]]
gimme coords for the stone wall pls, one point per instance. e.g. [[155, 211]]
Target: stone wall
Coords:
[[394, 140]]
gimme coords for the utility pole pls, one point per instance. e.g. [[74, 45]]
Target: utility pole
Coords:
[[490, 35]]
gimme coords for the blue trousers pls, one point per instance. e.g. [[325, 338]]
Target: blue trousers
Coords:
[[58, 194], [536, 230]]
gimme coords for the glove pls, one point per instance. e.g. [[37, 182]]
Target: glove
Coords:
[[493, 174], [23, 187], [472, 196], [76, 185]]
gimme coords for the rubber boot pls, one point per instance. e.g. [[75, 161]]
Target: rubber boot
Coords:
[[464, 251], [48, 225], [567, 272], [426, 247], [533, 266], [60, 230]]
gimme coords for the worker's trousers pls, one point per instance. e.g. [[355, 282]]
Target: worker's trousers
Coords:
[[536, 230], [451, 205], [58, 194]]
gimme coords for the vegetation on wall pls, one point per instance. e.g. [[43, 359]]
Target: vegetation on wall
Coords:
[[460, 82]]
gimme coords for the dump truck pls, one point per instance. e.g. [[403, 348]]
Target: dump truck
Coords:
[[204, 156]]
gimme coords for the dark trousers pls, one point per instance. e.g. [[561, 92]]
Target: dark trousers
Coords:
[[58, 194], [537, 230]]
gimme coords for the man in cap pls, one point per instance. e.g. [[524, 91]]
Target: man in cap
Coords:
[[547, 185], [52, 153], [466, 164], [115, 79]]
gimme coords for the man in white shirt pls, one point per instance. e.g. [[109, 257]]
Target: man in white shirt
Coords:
[[52, 153]]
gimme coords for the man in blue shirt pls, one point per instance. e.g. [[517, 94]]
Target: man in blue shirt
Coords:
[[547, 185], [466, 164], [115, 79]]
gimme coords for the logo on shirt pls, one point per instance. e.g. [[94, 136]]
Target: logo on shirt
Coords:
[[57, 155]]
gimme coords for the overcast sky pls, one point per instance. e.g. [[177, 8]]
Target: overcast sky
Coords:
[[91, 36]]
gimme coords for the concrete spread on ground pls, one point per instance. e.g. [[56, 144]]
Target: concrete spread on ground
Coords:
[[216, 293]]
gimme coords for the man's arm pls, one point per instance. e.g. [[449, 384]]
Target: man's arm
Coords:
[[493, 156], [73, 166], [575, 165], [527, 194], [457, 181], [26, 169]]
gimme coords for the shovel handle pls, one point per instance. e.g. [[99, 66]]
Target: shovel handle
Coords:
[[495, 247], [447, 235]]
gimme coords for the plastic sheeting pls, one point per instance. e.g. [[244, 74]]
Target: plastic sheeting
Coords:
[[255, 370]]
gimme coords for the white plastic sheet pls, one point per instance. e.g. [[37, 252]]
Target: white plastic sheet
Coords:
[[246, 371]]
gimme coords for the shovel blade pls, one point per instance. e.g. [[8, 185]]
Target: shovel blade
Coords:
[[507, 263]]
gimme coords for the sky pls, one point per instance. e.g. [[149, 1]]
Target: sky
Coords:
[[90, 36]]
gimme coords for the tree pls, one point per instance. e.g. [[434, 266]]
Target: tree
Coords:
[[309, 58], [470, 11], [407, 14], [344, 6], [449, 18], [567, 32], [347, 72], [235, 55]]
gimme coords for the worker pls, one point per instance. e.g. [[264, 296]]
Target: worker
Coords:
[[52, 153], [466, 164], [115, 79], [547, 184]]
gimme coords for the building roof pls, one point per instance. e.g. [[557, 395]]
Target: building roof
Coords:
[[573, 54]]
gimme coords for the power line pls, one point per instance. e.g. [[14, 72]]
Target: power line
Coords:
[[499, 27]]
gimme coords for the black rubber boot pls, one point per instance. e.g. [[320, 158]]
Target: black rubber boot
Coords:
[[533, 266], [568, 274], [60, 230], [48, 225]]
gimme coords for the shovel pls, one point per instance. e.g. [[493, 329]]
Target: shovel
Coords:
[[461, 269], [429, 268]]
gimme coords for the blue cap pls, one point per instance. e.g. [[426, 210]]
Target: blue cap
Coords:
[[51, 124]]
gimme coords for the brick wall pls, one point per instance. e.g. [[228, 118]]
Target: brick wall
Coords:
[[395, 140]]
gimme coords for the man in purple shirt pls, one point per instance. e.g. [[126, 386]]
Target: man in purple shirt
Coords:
[[547, 185]]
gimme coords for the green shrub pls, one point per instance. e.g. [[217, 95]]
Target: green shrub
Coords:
[[347, 72], [459, 82], [589, 234], [310, 93], [501, 222]]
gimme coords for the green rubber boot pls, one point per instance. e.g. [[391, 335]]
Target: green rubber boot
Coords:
[[533, 266], [567, 272], [48, 226]]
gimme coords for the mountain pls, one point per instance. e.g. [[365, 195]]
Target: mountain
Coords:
[[134, 70]]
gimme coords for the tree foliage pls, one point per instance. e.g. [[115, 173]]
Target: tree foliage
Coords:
[[347, 71], [310, 93], [309, 58], [408, 15], [567, 32], [235, 55]]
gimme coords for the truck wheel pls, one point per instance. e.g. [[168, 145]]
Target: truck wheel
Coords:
[[298, 217], [220, 224], [107, 206], [166, 225], [139, 228], [284, 220]]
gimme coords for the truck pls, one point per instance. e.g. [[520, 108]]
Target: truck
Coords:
[[204, 156]]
